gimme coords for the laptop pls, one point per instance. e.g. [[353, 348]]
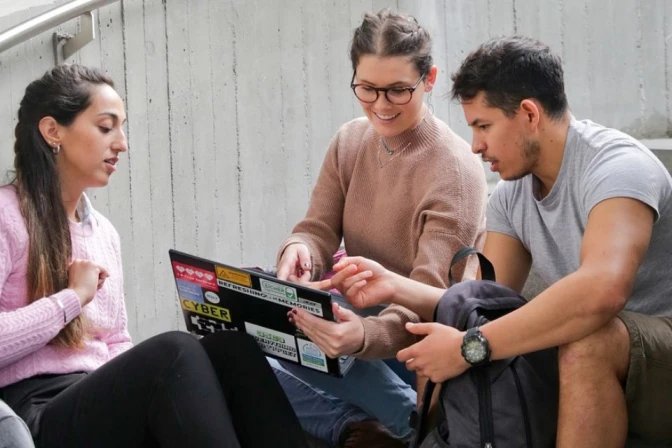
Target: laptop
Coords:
[[216, 297]]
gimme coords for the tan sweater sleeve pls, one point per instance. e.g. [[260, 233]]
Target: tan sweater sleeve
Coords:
[[322, 228], [448, 226]]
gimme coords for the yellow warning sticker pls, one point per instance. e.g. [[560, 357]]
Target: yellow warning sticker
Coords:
[[232, 276], [205, 309]]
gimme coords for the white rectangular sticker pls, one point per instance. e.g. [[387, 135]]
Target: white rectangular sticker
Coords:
[[290, 302], [273, 342], [311, 355]]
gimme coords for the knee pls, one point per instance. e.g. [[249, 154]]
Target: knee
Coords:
[[13, 432], [173, 339], [605, 350], [170, 346]]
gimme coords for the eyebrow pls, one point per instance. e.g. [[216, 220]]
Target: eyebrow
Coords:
[[114, 116], [394, 84]]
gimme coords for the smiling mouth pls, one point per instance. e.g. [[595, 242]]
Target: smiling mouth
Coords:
[[386, 117], [112, 161]]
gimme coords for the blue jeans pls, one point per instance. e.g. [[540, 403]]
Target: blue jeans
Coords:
[[325, 404], [13, 431]]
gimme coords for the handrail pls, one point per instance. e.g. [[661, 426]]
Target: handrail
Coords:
[[50, 19]]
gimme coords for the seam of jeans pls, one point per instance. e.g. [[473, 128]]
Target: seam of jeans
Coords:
[[344, 420]]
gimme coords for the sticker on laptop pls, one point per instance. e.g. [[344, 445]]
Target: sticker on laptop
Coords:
[[311, 355], [211, 297], [273, 342], [195, 275], [230, 275], [295, 302], [191, 291], [206, 324], [205, 309]]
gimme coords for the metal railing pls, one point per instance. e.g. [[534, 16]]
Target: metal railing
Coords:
[[53, 18]]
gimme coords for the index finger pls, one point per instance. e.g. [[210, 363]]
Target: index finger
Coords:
[[346, 261], [408, 353], [305, 320], [104, 273]]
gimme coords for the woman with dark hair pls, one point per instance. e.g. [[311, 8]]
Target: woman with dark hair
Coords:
[[67, 365], [400, 187]]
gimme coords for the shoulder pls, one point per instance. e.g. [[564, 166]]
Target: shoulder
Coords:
[[354, 133], [612, 145], [358, 126], [349, 140], [10, 212], [12, 225], [618, 157], [451, 157]]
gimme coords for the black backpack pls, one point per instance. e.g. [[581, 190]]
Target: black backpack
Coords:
[[505, 404]]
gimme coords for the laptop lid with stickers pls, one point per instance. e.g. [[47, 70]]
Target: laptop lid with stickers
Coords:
[[215, 297]]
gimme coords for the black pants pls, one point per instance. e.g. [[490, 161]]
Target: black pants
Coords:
[[169, 391]]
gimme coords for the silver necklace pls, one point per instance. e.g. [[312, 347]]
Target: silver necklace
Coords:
[[389, 150]]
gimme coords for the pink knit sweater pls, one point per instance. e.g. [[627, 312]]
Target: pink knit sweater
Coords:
[[25, 330]]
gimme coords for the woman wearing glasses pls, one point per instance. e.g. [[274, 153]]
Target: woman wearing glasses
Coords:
[[399, 187]]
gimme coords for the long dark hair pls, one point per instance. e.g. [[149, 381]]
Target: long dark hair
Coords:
[[62, 93], [388, 34]]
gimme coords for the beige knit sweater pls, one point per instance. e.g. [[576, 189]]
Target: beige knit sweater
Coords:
[[409, 211]]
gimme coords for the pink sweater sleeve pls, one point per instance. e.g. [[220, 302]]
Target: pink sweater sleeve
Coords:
[[25, 329]]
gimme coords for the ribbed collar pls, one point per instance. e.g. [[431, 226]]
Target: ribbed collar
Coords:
[[422, 135]]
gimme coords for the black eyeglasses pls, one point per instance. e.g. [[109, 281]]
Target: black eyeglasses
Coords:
[[395, 95]]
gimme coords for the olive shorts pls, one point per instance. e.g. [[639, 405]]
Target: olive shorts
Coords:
[[648, 388]]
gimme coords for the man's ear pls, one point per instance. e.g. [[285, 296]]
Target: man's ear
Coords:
[[531, 113], [50, 130], [430, 79]]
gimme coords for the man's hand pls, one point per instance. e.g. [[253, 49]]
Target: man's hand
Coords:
[[363, 282], [438, 356], [344, 337]]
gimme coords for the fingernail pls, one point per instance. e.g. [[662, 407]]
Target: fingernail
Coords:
[[294, 311]]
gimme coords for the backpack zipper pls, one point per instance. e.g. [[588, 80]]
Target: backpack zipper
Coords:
[[484, 407], [523, 407]]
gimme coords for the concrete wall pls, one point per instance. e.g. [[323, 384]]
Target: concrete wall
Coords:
[[232, 103]]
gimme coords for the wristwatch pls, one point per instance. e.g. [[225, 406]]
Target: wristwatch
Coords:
[[475, 348]]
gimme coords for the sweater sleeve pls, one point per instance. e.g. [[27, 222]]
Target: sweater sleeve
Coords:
[[448, 226], [28, 328], [119, 340], [322, 228]]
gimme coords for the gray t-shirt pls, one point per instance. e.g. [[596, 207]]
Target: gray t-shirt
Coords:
[[599, 163]]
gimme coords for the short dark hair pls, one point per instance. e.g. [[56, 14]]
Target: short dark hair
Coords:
[[388, 34], [509, 70]]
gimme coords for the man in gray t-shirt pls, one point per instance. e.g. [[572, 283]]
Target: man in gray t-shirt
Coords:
[[598, 164], [591, 209]]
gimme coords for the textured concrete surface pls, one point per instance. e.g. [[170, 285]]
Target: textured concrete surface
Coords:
[[232, 105]]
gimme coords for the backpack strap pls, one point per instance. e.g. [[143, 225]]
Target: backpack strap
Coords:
[[487, 270], [421, 423]]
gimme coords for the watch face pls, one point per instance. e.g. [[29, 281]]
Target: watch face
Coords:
[[474, 351]]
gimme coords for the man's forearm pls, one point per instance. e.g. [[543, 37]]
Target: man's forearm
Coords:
[[417, 297], [569, 310]]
